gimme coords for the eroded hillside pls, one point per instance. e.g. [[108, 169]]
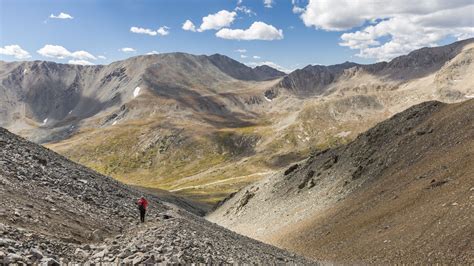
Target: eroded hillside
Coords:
[[402, 191], [56, 211]]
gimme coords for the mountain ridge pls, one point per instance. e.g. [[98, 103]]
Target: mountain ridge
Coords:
[[137, 119], [313, 79], [397, 192]]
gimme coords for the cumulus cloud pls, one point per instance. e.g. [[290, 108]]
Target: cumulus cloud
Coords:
[[189, 26], [246, 10], [163, 31], [59, 52], [79, 62], [101, 57], [243, 56], [139, 30], [297, 9], [256, 57], [83, 55], [14, 50], [391, 28], [241, 51], [257, 31], [127, 50], [218, 20], [55, 51], [268, 3], [61, 15], [152, 52]]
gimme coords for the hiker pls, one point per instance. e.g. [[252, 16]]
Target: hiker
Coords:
[[142, 204]]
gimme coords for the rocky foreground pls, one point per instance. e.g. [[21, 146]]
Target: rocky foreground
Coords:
[[55, 211]]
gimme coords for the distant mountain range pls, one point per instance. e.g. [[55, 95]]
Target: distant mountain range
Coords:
[[314, 79], [206, 126]]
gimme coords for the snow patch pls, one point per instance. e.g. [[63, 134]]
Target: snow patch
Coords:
[[25, 71], [69, 112], [136, 92], [114, 123], [266, 98], [45, 121], [469, 96]]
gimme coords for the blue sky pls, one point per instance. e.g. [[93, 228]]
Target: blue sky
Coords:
[[312, 32]]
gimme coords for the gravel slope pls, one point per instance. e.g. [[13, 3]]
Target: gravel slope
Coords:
[[401, 192], [54, 210]]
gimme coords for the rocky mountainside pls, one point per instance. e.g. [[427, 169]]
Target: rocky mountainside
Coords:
[[316, 80], [56, 95], [313, 80], [206, 126], [402, 191], [240, 71], [56, 211]]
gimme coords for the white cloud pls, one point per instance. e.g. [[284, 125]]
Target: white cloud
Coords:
[[245, 10], [243, 56], [101, 57], [297, 9], [189, 25], [152, 52], [127, 50], [324, 15], [257, 31], [218, 20], [139, 30], [15, 51], [256, 57], [82, 55], [239, 2], [268, 3], [55, 51], [61, 16], [395, 27], [79, 62], [59, 52], [241, 51], [163, 31], [270, 64]]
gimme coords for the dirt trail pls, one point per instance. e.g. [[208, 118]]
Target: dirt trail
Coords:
[[223, 181]]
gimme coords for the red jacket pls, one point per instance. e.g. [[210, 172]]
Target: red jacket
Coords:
[[142, 202]]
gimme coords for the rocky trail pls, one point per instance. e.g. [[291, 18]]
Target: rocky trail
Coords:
[[223, 181], [56, 211]]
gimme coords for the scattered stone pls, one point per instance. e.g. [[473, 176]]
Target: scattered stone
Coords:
[[49, 262], [36, 253], [291, 169], [434, 184]]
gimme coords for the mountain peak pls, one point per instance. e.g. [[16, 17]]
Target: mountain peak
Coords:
[[241, 71]]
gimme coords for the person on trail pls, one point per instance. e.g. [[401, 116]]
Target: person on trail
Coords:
[[142, 204]]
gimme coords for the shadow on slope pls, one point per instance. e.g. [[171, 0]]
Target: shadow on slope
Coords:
[[401, 192]]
